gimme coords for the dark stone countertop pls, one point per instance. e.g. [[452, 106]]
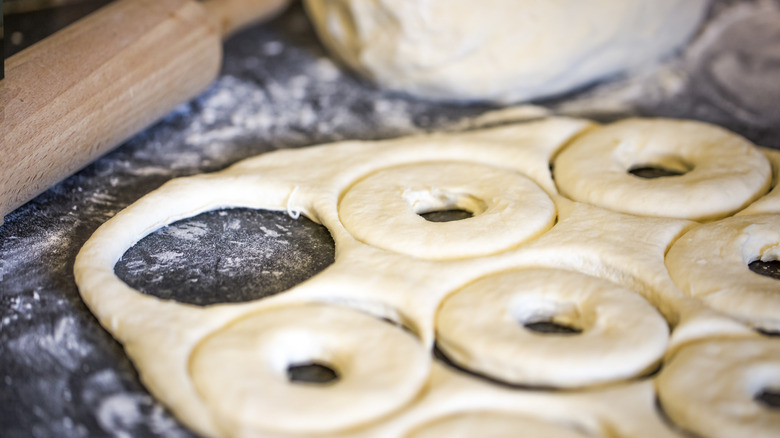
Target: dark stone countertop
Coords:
[[62, 375]]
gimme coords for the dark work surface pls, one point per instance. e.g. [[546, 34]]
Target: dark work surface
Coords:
[[62, 375], [227, 256]]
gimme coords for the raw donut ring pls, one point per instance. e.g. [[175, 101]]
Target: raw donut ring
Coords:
[[482, 328], [711, 387], [241, 370], [723, 172], [711, 262], [384, 209], [488, 424], [769, 203]]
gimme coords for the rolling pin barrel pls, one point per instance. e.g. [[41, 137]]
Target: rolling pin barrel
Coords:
[[73, 96]]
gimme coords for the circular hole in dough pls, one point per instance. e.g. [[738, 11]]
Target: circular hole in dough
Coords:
[[769, 269], [552, 327], [226, 256], [448, 215], [714, 388], [721, 172], [312, 372], [481, 328], [712, 262], [550, 316], [488, 424], [384, 210], [652, 171], [769, 397], [770, 333], [241, 370]]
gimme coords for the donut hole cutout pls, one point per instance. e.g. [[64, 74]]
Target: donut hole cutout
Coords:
[[431, 200], [653, 165], [769, 269], [767, 332], [652, 172], [547, 317], [227, 256], [450, 215], [443, 206], [312, 372], [551, 328], [769, 398]]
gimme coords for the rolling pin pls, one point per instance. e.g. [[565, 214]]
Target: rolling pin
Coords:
[[89, 87]]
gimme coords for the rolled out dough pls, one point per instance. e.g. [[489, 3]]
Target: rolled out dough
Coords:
[[177, 348]]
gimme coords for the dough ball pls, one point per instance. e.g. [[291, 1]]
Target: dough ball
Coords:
[[243, 370], [486, 424], [715, 388], [499, 50], [714, 172], [487, 327]]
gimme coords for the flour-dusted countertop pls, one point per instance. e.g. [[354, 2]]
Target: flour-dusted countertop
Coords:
[[62, 375]]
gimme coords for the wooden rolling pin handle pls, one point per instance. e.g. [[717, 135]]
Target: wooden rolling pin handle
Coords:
[[73, 96], [234, 15]]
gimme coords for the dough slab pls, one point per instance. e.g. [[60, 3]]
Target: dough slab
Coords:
[[196, 359]]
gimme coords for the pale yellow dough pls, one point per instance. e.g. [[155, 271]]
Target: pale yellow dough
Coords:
[[384, 209], [492, 425], [500, 50], [769, 203], [709, 387], [243, 368], [723, 172], [178, 348], [482, 328], [711, 261]]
